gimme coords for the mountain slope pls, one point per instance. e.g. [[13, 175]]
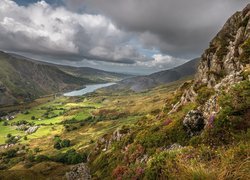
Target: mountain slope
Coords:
[[93, 74], [141, 83], [133, 136], [225, 62], [206, 134], [23, 79]]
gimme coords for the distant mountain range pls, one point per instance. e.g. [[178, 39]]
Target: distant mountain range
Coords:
[[142, 83], [23, 79]]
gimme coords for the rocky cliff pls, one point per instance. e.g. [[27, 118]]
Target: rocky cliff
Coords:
[[223, 64]]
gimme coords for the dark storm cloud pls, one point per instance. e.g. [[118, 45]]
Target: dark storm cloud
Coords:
[[55, 32], [177, 27], [138, 34]]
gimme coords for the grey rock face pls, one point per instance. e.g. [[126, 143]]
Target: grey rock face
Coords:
[[221, 64], [32, 130], [194, 122], [79, 172]]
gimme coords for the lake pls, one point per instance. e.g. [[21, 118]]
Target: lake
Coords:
[[87, 89]]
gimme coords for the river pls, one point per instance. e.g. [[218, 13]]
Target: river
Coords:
[[87, 89]]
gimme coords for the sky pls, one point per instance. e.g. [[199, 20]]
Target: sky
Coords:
[[128, 36]]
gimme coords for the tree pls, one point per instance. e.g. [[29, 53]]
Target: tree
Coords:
[[57, 145], [65, 143], [5, 123]]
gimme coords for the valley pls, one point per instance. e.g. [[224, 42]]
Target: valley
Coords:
[[191, 122]]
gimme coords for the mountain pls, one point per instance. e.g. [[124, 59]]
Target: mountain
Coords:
[[142, 83], [23, 79], [95, 75], [205, 121], [224, 63], [195, 129]]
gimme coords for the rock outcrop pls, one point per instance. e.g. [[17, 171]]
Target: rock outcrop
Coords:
[[79, 172], [32, 130], [222, 64], [106, 140], [194, 122]]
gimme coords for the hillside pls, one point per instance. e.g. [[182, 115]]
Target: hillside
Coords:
[[23, 79], [196, 129], [142, 83], [93, 74]]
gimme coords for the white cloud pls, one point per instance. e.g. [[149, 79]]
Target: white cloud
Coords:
[[43, 29], [162, 61]]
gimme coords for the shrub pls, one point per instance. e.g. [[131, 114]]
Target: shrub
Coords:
[[59, 144], [65, 143], [37, 149], [162, 166], [245, 56], [11, 140], [233, 117], [204, 94], [41, 158], [70, 157], [5, 123], [10, 153]]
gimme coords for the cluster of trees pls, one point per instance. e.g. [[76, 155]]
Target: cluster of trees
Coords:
[[59, 144], [11, 139], [70, 157]]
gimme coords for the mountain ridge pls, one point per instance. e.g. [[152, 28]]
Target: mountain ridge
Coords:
[[24, 79], [142, 83]]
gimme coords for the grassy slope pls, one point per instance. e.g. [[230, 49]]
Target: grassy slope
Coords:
[[25, 79], [145, 118]]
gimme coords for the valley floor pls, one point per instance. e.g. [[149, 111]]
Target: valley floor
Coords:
[[122, 135]]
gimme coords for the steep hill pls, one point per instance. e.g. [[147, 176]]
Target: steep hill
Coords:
[[224, 64], [197, 129], [96, 75], [142, 83], [23, 79]]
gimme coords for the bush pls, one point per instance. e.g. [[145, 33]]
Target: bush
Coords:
[[70, 127], [11, 139], [162, 166], [65, 143], [204, 93], [10, 153], [5, 123], [233, 118], [41, 158], [245, 56], [71, 157], [59, 144]]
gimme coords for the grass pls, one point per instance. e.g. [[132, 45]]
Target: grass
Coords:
[[144, 115]]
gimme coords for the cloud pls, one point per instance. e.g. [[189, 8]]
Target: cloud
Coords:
[[57, 32], [131, 35], [180, 28], [160, 61]]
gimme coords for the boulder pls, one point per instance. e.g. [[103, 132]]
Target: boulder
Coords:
[[194, 122], [32, 130], [79, 172]]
